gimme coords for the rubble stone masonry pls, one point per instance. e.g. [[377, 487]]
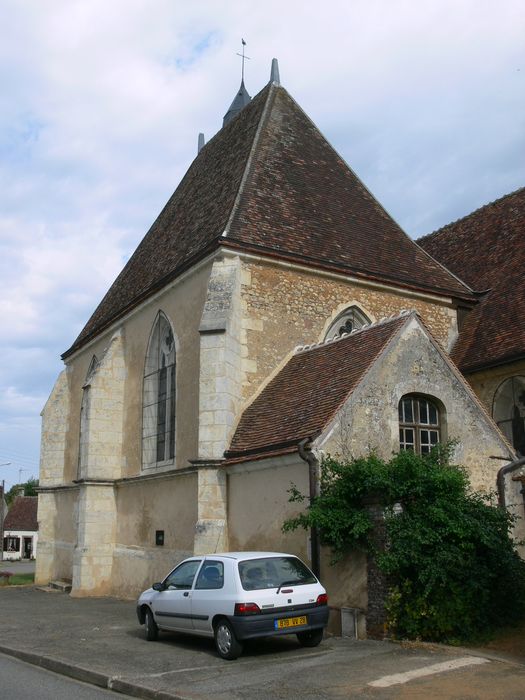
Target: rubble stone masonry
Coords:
[[285, 306]]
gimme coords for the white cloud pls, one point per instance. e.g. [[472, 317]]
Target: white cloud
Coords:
[[101, 104]]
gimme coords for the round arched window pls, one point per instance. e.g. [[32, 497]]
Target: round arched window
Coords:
[[419, 424], [508, 410]]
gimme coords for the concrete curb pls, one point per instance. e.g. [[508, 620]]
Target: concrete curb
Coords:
[[61, 667], [86, 675]]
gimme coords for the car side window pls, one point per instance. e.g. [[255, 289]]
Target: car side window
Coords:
[[211, 576], [182, 577]]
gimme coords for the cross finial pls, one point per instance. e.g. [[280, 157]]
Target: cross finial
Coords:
[[244, 58]]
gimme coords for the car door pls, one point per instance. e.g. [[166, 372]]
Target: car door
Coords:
[[172, 606], [210, 595]]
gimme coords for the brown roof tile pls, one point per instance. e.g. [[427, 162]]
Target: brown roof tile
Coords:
[[22, 514], [270, 182], [487, 250], [305, 395]]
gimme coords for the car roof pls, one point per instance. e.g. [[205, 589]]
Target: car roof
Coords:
[[247, 555]]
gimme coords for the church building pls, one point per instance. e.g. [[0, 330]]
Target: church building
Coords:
[[273, 313]]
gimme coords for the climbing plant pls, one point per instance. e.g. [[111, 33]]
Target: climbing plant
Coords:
[[453, 570]]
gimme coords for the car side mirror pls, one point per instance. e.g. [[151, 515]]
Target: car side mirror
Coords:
[[158, 587]]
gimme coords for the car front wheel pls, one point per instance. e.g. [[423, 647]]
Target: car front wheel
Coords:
[[152, 631], [227, 644], [311, 638]]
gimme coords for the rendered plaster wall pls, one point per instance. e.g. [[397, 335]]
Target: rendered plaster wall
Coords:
[[284, 307], [412, 364], [258, 505], [486, 383], [57, 516], [182, 304], [144, 506]]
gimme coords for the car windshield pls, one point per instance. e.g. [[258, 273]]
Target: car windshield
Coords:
[[273, 572]]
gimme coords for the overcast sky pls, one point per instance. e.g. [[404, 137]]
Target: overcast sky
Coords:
[[101, 102]]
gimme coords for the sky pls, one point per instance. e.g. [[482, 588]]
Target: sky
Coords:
[[101, 103]]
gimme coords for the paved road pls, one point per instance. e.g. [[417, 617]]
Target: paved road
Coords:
[[100, 641], [18, 567], [21, 681]]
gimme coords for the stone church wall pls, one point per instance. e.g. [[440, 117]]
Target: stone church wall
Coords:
[[57, 534], [486, 383], [167, 504], [285, 306], [369, 421], [257, 508], [182, 304]]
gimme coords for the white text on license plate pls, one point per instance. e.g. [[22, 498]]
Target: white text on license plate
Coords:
[[290, 622]]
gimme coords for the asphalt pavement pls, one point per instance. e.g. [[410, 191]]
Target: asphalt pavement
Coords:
[[99, 641]]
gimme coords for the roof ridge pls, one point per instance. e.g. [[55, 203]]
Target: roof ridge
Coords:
[[436, 231], [247, 168], [404, 313]]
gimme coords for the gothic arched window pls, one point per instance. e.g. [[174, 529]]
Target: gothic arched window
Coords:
[[158, 415], [419, 424], [508, 410], [347, 321]]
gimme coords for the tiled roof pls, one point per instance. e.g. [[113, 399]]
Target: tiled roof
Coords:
[[22, 514], [487, 250], [305, 395], [269, 182]]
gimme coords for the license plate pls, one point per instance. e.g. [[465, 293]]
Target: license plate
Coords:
[[290, 622]]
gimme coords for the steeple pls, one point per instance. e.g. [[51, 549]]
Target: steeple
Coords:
[[242, 98]]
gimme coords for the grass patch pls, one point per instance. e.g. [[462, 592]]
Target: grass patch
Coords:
[[18, 580]]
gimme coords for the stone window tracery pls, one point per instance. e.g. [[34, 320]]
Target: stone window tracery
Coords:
[[349, 320], [419, 424], [508, 410], [159, 396]]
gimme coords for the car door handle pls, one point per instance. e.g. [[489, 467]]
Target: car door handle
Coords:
[[186, 594]]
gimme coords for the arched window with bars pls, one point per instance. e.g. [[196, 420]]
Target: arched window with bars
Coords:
[[420, 423]]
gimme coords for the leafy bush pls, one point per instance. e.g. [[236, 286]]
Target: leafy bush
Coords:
[[452, 566]]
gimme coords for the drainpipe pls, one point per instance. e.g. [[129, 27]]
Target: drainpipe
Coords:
[[500, 480], [306, 454]]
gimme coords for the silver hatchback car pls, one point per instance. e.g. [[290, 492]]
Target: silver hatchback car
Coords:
[[237, 596]]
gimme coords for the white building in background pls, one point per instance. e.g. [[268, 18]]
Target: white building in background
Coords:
[[21, 529]]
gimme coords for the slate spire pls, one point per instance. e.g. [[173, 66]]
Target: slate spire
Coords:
[[241, 98]]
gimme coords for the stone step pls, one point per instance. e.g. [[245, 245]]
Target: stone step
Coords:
[[64, 586]]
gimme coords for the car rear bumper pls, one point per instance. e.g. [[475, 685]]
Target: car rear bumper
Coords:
[[252, 626]]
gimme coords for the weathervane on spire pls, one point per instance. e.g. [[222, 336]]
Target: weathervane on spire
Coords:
[[244, 58]]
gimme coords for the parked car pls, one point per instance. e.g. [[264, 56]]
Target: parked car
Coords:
[[237, 596]]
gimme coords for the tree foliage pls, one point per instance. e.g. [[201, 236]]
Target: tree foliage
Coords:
[[453, 570], [28, 488]]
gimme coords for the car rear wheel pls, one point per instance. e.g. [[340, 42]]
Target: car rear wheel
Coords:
[[152, 631], [227, 644], [311, 638]]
